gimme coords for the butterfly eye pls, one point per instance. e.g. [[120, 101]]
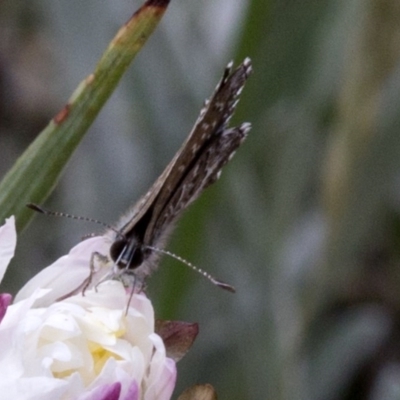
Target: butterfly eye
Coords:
[[127, 254], [117, 248]]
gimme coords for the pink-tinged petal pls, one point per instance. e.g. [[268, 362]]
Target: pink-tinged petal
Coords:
[[163, 386], [133, 392], [17, 312], [105, 392], [67, 274], [8, 241], [12, 341], [5, 301]]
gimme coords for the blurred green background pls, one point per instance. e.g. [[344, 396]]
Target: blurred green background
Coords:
[[305, 221]]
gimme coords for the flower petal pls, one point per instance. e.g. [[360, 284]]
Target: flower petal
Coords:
[[106, 392], [43, 388], [5, 300], [133, 392], [162, 375], [8, 241], [67, 274]]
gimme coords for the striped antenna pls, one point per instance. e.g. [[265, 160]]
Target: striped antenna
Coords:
[[206, 275], [41, 210]]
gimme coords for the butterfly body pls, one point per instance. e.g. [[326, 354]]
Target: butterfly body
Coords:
[[197, 164]]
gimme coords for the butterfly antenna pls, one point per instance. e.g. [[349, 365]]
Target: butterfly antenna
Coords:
[[41, 210], [213, 280]]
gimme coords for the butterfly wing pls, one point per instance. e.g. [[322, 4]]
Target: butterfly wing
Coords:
[[204, 172], [195, 166], [166, 182], [208, 148]]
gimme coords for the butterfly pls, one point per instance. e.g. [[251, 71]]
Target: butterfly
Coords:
[[140, 235], [138, 238]]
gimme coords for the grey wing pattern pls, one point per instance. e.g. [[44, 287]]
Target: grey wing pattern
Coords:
[[208, 148], [166, 182], [204, 173]]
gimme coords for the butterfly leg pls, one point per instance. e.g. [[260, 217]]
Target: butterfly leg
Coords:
[[102, 260]]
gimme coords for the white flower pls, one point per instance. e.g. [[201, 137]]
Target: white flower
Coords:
[[67, 273], [84, 347]]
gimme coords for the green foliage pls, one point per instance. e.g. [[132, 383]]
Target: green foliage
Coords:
[[37, 171]]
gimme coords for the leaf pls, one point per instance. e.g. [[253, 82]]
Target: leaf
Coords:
[[37, 171], [178, 337]]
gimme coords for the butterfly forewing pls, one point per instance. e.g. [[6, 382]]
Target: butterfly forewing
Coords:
[[205, 149], [195, 166], [203, 173]]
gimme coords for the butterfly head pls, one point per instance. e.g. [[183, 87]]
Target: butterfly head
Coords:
[[128, 254]]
